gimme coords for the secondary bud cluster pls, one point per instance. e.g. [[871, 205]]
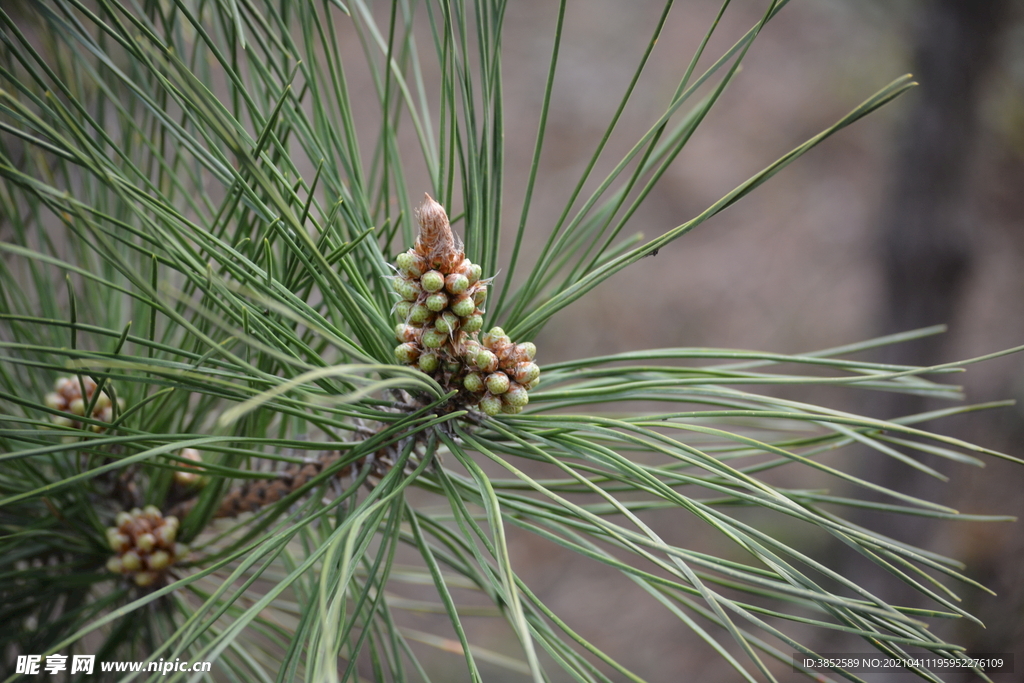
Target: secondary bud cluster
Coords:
[[441, 314], [145, 543], [500, 372], [67, 397]]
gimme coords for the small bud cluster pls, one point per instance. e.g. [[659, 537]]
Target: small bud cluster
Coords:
[[144, 541], [67, 397], [500, 372], [441, 313]]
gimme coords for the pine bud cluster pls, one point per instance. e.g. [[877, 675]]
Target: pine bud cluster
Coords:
[[500, 372], [441, 315], [145, 545], [67, 397]]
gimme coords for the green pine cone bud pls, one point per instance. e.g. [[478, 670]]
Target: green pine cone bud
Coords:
[[406, 333], [433, 339], [407, 289], [77, 407], [132, 562], [143, 579], [497, 383], [474, 323], [473, 382], [527, 349], [432, 281], [490, 405], [428, 362], [509, 409], [524, 373], [456, 283], [407, 263], [402, 309], [486, 361], [407, 353], [420, 314], [470, 348], [516, 396], [452, 366], [437, 302], [491, 337], [464, 306], [145, 542], [159, 560], [475, 272], [118, 541], [447, 322], [480, 295]]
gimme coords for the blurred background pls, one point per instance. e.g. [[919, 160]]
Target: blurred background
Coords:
[[911, 217]]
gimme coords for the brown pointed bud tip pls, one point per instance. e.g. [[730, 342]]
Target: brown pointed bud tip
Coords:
[[436, 242]]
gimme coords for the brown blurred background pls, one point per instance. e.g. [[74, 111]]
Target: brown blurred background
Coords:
[[909, 218]]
